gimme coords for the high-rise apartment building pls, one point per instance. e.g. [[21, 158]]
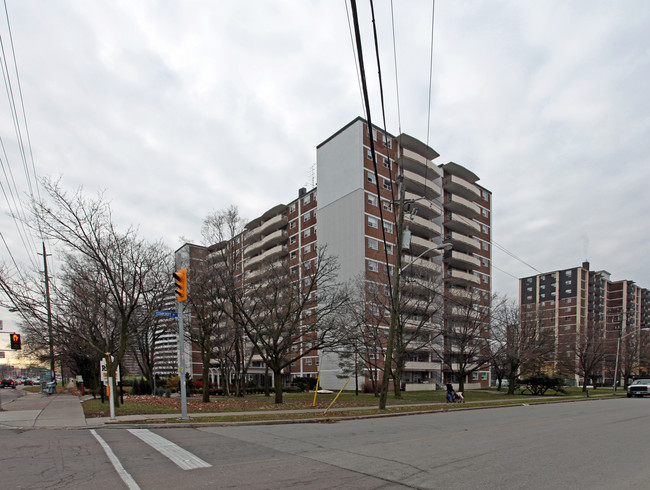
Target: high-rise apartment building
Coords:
[[442, 205], [582, 306], [354, 213]]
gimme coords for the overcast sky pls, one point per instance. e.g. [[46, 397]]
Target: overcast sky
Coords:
[[176, 109]]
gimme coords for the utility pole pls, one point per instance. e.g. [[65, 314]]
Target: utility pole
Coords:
[[394, 314], [49, 315]]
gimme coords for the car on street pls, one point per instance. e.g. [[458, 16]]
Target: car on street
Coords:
[[640, 388], [8, 383]]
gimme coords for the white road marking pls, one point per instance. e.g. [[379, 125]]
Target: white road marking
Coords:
[[126, 478], [184, 459]]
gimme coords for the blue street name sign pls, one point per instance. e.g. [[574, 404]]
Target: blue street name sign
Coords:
[[169, 314]]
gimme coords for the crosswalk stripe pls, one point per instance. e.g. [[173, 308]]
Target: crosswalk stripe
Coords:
[[126, 477], [184, 459]]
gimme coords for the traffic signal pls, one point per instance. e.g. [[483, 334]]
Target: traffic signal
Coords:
[[15, 341], [180, 277]]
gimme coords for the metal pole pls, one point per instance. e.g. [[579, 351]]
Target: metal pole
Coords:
[[618, 346], [111, 400], [49, 316], [181, 364]]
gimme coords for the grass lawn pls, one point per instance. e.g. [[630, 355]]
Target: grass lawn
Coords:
[[264, 408]]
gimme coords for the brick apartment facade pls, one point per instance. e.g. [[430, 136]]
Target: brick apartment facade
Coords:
[[573, 301], [444, 205]]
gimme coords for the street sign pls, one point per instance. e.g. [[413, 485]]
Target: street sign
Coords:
[[103, 370], [169, 314]]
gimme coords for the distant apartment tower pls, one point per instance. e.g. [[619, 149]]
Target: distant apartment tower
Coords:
[[443, 205], [572, 302]]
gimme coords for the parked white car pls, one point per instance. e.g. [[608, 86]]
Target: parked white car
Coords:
[[640, 387]]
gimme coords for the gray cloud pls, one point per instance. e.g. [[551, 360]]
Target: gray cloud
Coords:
[[177, 109]]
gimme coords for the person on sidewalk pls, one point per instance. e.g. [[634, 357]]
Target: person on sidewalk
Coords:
[[450, 392]]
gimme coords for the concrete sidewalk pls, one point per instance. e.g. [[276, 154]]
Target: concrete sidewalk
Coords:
[[36, 410]]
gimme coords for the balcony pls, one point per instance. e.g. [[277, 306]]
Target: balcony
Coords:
[[460, 205], [461, 224], [462, 260], [460, 171], [459, 277], [421, 186], [420, 264], [422, 366], [459, 186], [417, 163], [270, 221], [422, 207], [422, 226], [271, 254], [423, 247], [463, 243]]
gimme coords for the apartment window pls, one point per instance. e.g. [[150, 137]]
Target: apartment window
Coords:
[[388, 227], [485, 262], [292, 224], [292, 240], [475, 376], [484, 194], [371, 177], [372, 222], [372, 266], [308, 362], [386, 162], [389, 142], [292, 208], [373, 244], [308, 265], [306, 249], [306, 199], [485, 229], [483, 376], [306, 233], [387, 205], [294, 269], [306, 216], [486, 246], [372, 200], [369, 154], [484, 212], [374, 134], [389, 248], [293, 254], [387, 185]]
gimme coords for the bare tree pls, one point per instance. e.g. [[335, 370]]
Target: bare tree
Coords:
[[590, 351], [365, 336], [214, 329], [288, 315], [466, 331], [521, 343], [109, 269], [419, 327]]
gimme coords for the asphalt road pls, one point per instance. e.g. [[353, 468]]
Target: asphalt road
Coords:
[[592, 444]]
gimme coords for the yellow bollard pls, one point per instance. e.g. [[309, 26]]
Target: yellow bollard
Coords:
[[316, 390], [346, 383]]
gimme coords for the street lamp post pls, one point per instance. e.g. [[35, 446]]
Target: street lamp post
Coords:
[[618, 348]]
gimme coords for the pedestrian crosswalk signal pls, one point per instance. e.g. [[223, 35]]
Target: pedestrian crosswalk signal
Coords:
[[15, 341], [180, 277]]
